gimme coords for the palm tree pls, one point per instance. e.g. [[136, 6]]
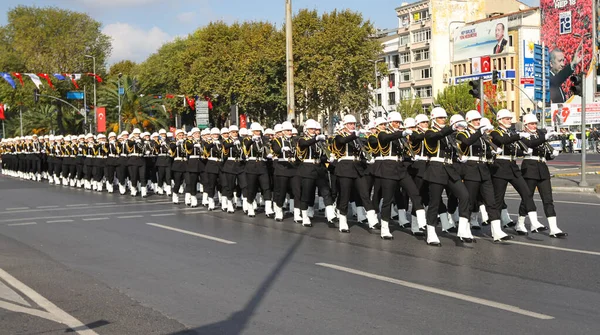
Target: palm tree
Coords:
[[138, 109], [40, 120]]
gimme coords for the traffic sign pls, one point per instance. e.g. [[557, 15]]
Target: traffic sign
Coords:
[[202, 114], [538, 55]]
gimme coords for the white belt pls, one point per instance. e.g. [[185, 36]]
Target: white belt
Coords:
[[506, 158], [135, 155], [391, 158], [194, 157], [537, 159], [111, 155], [162, 155], [72, 156], [214, 159], [123, 155], [86, 156], [311, 161], [349, 158], [180, 159], [421, 158], [255, 159], [440, 160], [476, 159]]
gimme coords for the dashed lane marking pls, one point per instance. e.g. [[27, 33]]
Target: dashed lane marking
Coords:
[[130, 216], [90, 215], [195, 212], [164, 214], [47, 207], [449, 294], [78, 205], [527, 244], [212, 238], [17, 208], [21, 224], [21, 210], [94, 219], [105, 203], [58, 221]]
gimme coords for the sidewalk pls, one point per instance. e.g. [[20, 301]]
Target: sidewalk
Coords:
[[568, 182]]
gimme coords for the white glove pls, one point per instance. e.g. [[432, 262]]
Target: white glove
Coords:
[[525, 135], [555, 153], [320, 138], [90, 145], [462, 124], [216, 142], [179, 141], [331, 158], [499, 151], [147, 152], [112, 142], [356, 132], [269, 156], [371, 161], [236, 142], [286, 149], [256, 138], [462, 159], [137, 140], [197, 145], [407, 132], [529, 151], [486, 128], [455, 126], [80, 149]]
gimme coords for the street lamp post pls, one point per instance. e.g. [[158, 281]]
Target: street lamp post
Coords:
[[375, 72], [94, 69], [119, 96]]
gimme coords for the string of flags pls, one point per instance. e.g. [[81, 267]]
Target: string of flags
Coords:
[[36, 78]]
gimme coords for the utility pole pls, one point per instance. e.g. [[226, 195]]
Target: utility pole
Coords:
[[481, 97], [95, 80], [583, 182], [291, 110], [21, 116], [119, 97], [543, 85]]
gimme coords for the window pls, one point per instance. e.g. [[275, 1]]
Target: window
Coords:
[[420, 55], [405, 58], [512, 62], [423, 73], [421, 15], [379, 99], [422, 35], [404, 76], [404, 93], [510, 41], [423, 92], [404, 39], [392, 80], [391, 98], [404, 20], [378, 81], [425, 109], [395, 61]]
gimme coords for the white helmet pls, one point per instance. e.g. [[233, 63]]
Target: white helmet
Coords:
[[155, 134], [195, 130], [224, 131], [394, 116], [421, 118], [277, 128], [243, 132], [169, 134], [269, 131], [189, 134], [136, 131], [51, 138], [472, 115], [287, 125], [205, 132], [162, 131], [485, 121], [112, 134], [529, 118], [101, 136], [179, 131], [410, 122], [372, 124], [380, 120], [310, 124], [456, 118], [67, 138], [294, 131], [144, 134], [123, 133], [59, 137], [88, 136], [233, 127], [438, 112], [503, 113], [255, 126], [215, 131], [349, 118]]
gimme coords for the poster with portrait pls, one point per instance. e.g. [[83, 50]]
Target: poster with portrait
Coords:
[[481, 39], [567, 32]]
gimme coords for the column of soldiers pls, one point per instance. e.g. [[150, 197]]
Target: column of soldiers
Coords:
[[394, 171]]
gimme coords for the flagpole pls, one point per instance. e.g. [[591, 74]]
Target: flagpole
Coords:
[[21, 117]]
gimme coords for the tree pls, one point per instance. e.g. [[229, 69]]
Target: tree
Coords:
[[455, 99], [126, 67], [410, 107]]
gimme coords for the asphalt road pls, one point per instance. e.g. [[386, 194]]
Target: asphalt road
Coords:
[[107, 264], [573, 161]]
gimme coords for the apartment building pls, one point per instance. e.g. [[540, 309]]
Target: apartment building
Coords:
[[418, 56]]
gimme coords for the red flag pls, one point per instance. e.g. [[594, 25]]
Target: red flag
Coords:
[[191, 102], [73, 78], [18, 75], [210, 105], [1, 111], [45, 76], [243, 121], [486, 64], [98, 78], [169, 96], [172, 129], [101, 119]]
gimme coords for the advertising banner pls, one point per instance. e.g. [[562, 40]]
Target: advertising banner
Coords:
[[481, 39], [567, 32], [570, 114]]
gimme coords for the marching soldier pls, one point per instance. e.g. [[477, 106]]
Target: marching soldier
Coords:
[[179, 167], [256, 151], [213, 151], [163, 164], [195, 166], [112, 161]]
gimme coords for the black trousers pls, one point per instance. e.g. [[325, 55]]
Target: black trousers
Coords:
[[500, 191], [482, 192], [377, 193], [283, 186], [423, 188], [177, 180], [87, 172], [254, 181], [164, 175], [78, 171], [435, 199], [210, 184], [137, 174], [191, 181], [122, 173], [229, 182], [346, 186], [308, 192], [98, 173], [66, 170], [390, 189], [109, 172], [544, 187]]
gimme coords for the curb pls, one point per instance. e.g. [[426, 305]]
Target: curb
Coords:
[[576, 189], [574, 174]]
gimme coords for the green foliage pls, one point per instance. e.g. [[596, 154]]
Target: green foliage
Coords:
[[410, 107], [455, 99], [126, 67]]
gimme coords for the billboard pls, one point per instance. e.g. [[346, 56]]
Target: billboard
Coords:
[[564, 29], [570, 114], [481, 39]]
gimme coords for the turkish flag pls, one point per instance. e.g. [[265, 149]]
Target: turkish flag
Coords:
[[391, 84], [1, 111], [486, 64], [101, 119], [243, 121]]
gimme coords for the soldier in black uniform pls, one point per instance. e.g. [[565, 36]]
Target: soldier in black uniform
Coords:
[[536, 173], [88, 166], [417, 170], [285, 166], [213, 151], [123, 158], [179, 167], [256, 151], [441, 173], [475, 143], [112, 161], [195, 151], [79, 159], [505, 170], [136, 165], [163, 164]]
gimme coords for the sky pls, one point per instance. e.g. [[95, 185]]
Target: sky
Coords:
[[139, 27]]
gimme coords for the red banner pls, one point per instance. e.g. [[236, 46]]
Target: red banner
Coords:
[[486, 65], [243, 123], [101, 119], [1, 111]]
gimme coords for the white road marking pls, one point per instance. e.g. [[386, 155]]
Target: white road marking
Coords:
[[164, 214], [192, 233], [53, 312], [563, 202], [8, 293], [195, 212], [21, 224], [94, 219], [90, 215], [58, 221], [105, 203], [26, 210], [130, 216], [77, 205], [158, 201], [450, 294], [17, 208], [46, 207], [527, 244]]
